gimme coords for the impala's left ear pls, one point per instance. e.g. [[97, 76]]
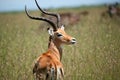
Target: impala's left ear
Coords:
[[50, 31], [62, 27]]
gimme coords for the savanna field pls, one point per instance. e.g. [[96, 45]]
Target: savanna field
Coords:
[[95, 56]]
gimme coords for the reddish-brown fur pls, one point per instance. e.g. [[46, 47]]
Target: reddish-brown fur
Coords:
[[48, 65], [52, 58]]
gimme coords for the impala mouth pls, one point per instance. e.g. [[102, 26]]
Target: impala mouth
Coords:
[[73, 42]]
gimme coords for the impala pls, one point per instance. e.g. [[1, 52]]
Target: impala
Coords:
[[113, 9], [48, 65]]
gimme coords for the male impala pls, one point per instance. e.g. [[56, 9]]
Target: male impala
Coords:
[[48, 66]]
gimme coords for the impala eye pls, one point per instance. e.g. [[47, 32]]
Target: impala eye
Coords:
[[59, 35]]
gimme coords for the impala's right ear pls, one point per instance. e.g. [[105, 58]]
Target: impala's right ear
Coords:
[[50, 31]]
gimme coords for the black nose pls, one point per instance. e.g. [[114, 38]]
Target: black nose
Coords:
[[73, 41]]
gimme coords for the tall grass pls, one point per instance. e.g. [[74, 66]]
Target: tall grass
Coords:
[[96, 56]]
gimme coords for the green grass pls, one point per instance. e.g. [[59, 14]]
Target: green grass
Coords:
[[96, 56]]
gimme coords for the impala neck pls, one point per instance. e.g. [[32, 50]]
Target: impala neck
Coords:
[[55, 47]]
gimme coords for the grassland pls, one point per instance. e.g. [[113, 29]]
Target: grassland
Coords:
[[96, 56]]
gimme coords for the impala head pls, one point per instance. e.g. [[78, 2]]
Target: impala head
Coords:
[[57, 31], [60, 36]]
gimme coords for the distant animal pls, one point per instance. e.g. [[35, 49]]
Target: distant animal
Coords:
[[112, 9], [48, 65], [67, 18]]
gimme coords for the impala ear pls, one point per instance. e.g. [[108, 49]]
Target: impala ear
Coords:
[[50, 31], [62, 27]]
